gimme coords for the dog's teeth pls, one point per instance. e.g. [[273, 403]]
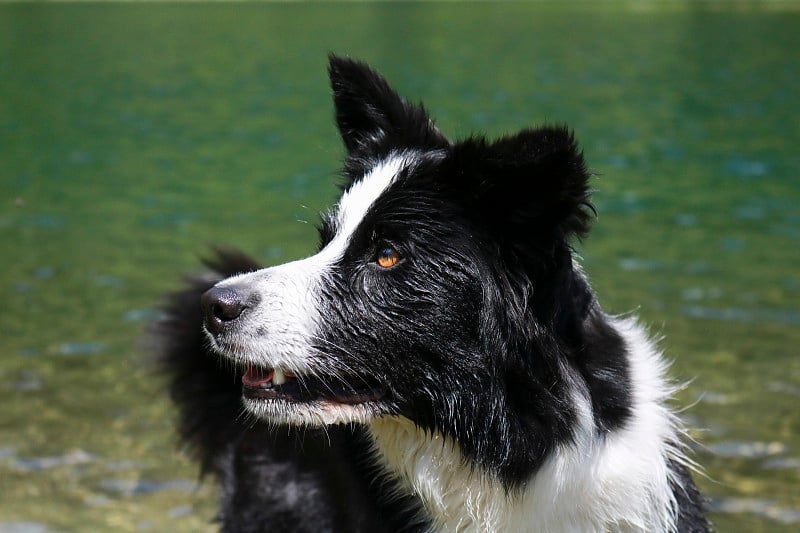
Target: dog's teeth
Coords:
[[278, 378], [265, 385]]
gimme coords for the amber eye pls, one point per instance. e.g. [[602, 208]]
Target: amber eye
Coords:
[[387, 257]]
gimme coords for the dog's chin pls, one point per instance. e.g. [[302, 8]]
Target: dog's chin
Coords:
[[281, 397], [312, 414]]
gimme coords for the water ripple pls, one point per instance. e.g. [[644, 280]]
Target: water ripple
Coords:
[[143, 315], [24, 527], [132, 487], [77, 457], [81, 348], [782, 463], [767, 508], [784, 388], [747, 449], [747, 167], [739, 314]]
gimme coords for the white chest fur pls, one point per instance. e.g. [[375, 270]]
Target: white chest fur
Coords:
[[617, 483]]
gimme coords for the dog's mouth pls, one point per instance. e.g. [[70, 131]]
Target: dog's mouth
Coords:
[[276, 384]]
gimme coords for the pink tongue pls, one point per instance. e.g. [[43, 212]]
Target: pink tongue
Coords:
[[255, 376]]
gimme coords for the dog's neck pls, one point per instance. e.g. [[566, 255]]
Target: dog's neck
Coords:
[[432, 467], [561, 497], [619, 481]]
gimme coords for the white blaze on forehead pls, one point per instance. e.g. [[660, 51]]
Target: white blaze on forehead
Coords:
[[362, 195]]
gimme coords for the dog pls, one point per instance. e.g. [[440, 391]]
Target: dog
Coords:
[[441, 363]]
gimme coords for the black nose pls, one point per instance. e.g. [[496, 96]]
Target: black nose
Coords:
[[221, 306]]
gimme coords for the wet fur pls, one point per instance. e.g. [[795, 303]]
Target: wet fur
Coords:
[[526, 407]]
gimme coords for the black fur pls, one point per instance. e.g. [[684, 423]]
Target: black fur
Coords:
[[522, 198], [692, 515], [481, 332]]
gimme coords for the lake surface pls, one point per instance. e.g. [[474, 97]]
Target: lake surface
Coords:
[[133, 137]]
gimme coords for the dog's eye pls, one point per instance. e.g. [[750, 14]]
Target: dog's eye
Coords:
[[387, 257]]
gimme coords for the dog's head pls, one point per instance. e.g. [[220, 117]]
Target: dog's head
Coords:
[[444, 270]]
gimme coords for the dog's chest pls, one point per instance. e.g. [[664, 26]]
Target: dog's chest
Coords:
[[456, 497], [459, 498]]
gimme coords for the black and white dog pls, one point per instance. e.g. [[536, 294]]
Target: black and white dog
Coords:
[[441, 364]]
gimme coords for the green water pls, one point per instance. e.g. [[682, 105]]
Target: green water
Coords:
[[132, 137]]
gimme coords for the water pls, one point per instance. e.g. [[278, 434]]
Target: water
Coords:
[[133, 137]]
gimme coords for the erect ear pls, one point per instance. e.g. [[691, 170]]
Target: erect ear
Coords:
[[530, 188], [372, 118]]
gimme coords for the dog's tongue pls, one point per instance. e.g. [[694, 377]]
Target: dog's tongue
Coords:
[[256, 375]]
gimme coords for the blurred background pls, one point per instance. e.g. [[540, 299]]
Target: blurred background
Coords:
[[135, 136]]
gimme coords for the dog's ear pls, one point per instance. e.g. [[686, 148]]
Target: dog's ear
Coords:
[[372, 118], [531, 188]]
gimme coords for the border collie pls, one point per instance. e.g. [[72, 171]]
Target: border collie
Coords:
[[441, 363]]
